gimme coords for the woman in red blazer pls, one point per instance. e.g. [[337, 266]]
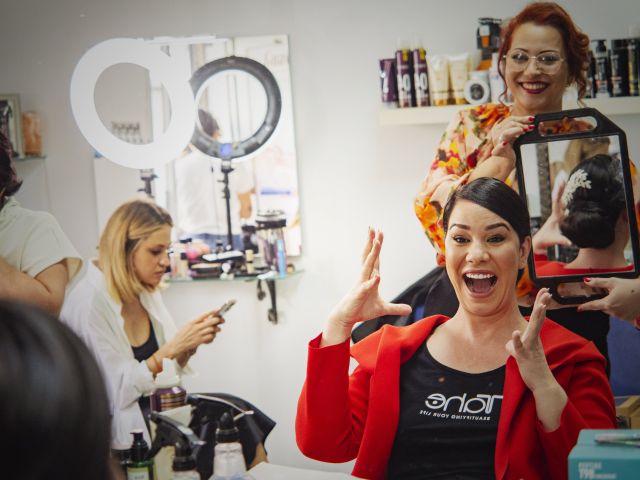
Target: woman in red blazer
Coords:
[[484, 394]]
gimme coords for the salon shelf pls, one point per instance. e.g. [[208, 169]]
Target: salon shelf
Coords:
[[269, 278], [443, 115], [29, 157]]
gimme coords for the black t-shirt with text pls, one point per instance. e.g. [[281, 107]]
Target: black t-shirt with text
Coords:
[[448, 421]]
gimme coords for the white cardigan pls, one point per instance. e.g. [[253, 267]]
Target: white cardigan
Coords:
[[92, 313]]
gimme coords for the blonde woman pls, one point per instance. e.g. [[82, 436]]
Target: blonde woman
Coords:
[[117, 309]]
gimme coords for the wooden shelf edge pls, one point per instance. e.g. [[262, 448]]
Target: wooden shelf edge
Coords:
[[443, 115]]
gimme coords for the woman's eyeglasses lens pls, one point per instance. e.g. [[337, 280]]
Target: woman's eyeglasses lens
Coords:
[[546, 62]]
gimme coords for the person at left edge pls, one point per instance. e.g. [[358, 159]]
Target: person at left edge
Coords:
[[37, 260]]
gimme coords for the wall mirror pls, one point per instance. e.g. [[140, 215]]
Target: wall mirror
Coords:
[[246, 109], [154, 85], [575, 174]]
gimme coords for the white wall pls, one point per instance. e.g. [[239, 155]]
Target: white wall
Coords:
[[353, 172]]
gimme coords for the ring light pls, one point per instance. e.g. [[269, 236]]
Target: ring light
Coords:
[[210, 146], [138, 52]]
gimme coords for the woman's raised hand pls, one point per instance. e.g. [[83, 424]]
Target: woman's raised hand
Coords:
[[526, 348], [195, 333], [507, 131], [363, 301], [503, 158]]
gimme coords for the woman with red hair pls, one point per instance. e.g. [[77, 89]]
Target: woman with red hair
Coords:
[[37, 260], [542, 52]]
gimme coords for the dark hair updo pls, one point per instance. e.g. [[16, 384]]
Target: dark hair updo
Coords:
[[497, 197], [593, 199]]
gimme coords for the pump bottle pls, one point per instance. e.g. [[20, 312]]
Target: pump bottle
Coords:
[[228, 461], [139, 467]]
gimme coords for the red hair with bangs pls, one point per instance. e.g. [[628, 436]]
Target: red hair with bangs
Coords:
[[576, 43]]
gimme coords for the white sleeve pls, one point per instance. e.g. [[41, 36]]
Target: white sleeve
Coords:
[[45, 245]]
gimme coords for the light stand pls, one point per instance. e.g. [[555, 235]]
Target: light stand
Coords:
[[225, 157]]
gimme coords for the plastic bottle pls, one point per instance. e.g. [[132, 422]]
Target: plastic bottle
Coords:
[[139, 467], [602, 68], [619, 68], [404, 72], [420, 78], [228, 461], [169, 392], [184, 464]]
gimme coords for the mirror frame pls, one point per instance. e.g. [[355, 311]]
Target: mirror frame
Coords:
[[210, 146], [604, 127]]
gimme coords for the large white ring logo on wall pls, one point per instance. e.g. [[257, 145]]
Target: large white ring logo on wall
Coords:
[[138, 52]]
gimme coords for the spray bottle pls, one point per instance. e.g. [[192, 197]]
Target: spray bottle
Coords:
[[228, 461], [170, 432], [204, 419], [140, 466]]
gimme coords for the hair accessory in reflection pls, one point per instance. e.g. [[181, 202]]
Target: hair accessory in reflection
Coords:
[[579, 179]]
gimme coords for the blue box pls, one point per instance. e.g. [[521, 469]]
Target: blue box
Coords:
[[593, 461]]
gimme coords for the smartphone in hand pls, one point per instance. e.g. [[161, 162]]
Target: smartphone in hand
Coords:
[[226, 307]]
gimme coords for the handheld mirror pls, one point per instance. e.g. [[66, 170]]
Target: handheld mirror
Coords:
[[575, 175]]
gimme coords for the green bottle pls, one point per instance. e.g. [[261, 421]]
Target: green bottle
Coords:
[[139, 467]]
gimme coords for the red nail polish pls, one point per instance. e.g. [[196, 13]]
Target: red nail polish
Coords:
[[531, 127], [587, 279], [504, 143], [531, 119]]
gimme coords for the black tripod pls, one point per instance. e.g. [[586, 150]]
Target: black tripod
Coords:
[[226, 194]]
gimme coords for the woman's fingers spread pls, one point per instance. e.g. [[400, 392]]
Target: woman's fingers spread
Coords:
[[368, 245], [536, 319], [372, 257]]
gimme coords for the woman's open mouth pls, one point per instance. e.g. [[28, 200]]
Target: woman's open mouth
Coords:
[[479, 283]]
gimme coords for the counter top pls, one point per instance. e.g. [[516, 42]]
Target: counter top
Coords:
[[269, 471]]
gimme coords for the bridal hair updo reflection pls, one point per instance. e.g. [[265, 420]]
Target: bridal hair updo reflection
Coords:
[[593, 199]]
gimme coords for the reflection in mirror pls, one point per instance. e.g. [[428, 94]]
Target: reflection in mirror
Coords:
[[566, 125], [578, 206], [232, 105], [238, 103]]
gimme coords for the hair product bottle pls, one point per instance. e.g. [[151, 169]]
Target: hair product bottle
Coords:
[[405, 72], [388, 79], [633, 51], [228, 461], [139, 467], [420, 78], [169, 392], [602, 68], [619, 68]]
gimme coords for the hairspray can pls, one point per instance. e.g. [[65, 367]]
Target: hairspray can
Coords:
[[602, 69], [404, 73], [420, 78], [633, 50], [619, 68], [388, 81]]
